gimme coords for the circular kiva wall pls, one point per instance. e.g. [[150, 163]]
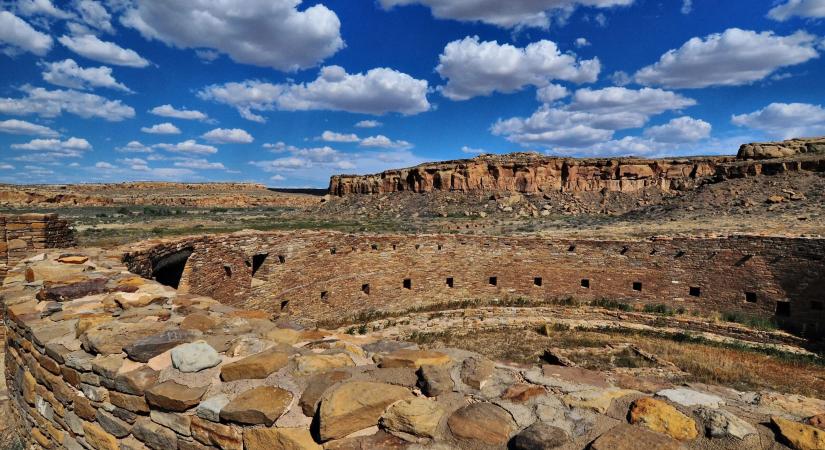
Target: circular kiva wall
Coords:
[[313, 276]]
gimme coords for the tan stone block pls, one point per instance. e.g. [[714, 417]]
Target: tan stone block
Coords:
[[227, 437], [98, 438], [279, 439]]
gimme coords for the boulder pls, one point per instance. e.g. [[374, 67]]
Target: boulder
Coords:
[[414, 359], [279, 439], [481, 424], [194, 357], [316, 386], [475, 371], [172, 396], [260, 405], [539, 436], [435, 380], [144, 349], [312, 364], [720, 423], [354, 406], [663, 418], [628, 437], [416, 416], [798, 435], [689, 397], [259, 365]]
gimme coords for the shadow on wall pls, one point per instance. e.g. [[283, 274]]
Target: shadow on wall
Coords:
[[168, 270]]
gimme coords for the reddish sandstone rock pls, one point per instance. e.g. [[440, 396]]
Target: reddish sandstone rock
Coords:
[[414, 359], [628, 437], [482, 423]]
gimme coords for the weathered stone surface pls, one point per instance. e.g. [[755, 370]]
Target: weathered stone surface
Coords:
[[261, 405], [114, 426], [598, 400], [144, 349], [98, 438], [194, 357], [210, 409], [520, 393], [69, 290], [628, 437], [475, 371], [178, 423], [435, 380], [663, 418], [378, 441], [576, 375], [799, 435], [481, 423], [173, 396], [414, 359], [259, 365], [720, 423], [356, 405], [279, 439], [227, 437], [817, 421], [316, 386], [689, 397], [415, 416], [283, 335], [108, 338], [200, 322], [312, 364], [154, 436], [136, 381], [539, 436], [133, 403]]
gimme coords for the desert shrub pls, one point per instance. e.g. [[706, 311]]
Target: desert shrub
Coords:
[[659, 309]]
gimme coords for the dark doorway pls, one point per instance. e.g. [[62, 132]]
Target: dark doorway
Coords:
[[637, 285], [258, 261], [450, 282], [169, 269], [783, 309], [537, 281]]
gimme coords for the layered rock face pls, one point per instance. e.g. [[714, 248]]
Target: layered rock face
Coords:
[[527, 172], [99, 358], [783, 149], [532, 172]]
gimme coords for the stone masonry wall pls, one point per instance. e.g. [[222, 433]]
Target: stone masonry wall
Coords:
[[312, 276]]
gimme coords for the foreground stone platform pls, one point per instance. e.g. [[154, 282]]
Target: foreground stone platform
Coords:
[[101, 358]]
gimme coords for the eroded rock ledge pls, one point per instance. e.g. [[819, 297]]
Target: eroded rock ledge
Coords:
[[101, 358], [533, 172]]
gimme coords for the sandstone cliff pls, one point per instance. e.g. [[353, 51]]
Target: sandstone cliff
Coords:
[[792, 147], [529, 172]]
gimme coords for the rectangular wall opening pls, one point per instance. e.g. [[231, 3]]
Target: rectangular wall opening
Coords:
[[332, 251], [817, 306], [750, 297], [227, 269], [407, 283], [637, 286], [375, 246], [324, 296], [284, 304], [365, 288], [537, 281], [572, 248], [585, 283], [493, 281], [783, 309], [450, 282], [695, 291], [281, 259]]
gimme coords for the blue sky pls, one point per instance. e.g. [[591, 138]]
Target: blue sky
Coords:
[[286, 92]]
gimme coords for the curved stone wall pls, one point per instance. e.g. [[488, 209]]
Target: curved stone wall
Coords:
[[99, 358], [312, 276]]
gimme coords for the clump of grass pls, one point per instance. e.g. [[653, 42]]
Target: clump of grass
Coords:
[[659, 309], [612, 304], [759, 323]]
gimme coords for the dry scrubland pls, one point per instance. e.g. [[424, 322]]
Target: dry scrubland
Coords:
[[769, 189]]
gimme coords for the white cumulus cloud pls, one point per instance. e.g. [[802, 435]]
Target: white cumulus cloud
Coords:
[[94, 14], [814, 9], [45, 103], [368, 124], [161, 128], [16, 36], [785, 120], [506, 14], [188, 146], [41, 7], [379, 91], [269, 33], [732, 58], [185, 114], [68, 73], [473, 68], [48, 149], [91, 47], [381, 141], [551, 93], [229, 136], [14, 126], [592, 116], [331, 136], [104, 165], [199, 164], [680, 130]]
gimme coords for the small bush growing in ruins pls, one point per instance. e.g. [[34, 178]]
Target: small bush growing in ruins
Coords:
[[362, 329], [612, 304], [351, 330], [750, 321], [659, 309]]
